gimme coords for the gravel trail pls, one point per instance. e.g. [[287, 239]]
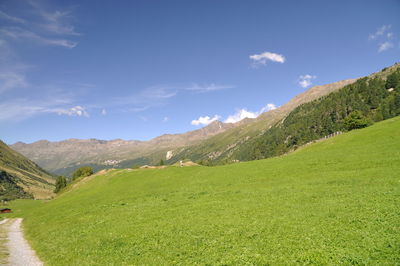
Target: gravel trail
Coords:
[[20, 253]]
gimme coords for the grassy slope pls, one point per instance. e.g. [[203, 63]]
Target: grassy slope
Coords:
[[336, 201]]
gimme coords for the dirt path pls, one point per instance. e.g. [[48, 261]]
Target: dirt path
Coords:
[[18, 250]]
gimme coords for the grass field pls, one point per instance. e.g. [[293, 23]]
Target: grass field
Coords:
[[332, 202]]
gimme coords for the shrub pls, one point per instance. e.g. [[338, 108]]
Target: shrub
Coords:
[[61, 182], [356, 120], [83, 171]]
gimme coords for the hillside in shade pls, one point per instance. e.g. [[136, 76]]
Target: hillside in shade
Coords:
[[22, 178]]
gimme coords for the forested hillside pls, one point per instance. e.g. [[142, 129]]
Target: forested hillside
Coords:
[[375, 98]]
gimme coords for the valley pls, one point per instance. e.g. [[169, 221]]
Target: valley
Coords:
[[331, 202], [221, 143], [199, 132]]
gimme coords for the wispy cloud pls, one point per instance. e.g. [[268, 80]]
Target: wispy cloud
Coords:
[[384, 37], [208, 88], [5, 16], [143, 100], [244, 113], [143, 118], [12, 73], [306, 80], [205, 120], [20, 109], [385, 46], [263, 58], [57, 22], [165, 119], [45, 27], [380, 32], [16, 104], [103, 112], [19, 33], [21, 98], [158, 93], [23, 108], [156, 96], [11, 80]]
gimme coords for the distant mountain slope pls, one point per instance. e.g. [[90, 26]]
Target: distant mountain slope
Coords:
[[64, 156], [22, 178]]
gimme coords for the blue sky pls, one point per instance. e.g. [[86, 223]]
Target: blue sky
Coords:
[[139, 69]]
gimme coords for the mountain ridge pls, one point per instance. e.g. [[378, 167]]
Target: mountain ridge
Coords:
[[90, 151], [216, 140]]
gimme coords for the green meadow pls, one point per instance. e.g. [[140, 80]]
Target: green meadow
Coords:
[[332, 202]]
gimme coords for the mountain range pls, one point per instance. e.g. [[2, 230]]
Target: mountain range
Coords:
[[214, 144]]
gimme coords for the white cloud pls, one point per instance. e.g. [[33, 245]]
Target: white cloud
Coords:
[[385, 46], [27, 99], [74, 111], [4, 15], [261, 59], [384, 38], [103, 112], [208, 88], [165, 119], [143, 118], [239, 115], [158, 93], [22, 108], [19, 33], [143, 100], [5, 50], [306, 80], [11, 80], [63, 43], [379, 32], [244, 113], [205, 120], [56, 25], [46, 22], [57, 22], [268, 107], [19, 110]]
